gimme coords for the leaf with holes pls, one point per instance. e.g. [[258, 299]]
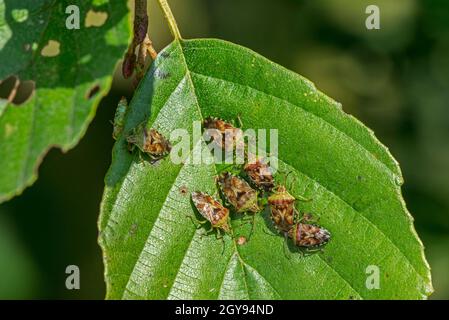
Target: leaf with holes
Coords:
[[153, 251], [53, 77]]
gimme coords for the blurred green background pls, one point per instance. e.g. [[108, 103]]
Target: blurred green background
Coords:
[[396, 80]]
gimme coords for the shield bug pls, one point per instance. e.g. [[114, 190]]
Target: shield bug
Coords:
[[260, 174], [212, 210], [223, 133], [149, 141], [309, 235], [119, 118], [283, 211], [282, 205], [238, 193]]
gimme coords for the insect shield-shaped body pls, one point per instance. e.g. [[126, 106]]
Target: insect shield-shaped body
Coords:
[[282, 205], [149, 141], [224, 134], [238, 193], [309, 235], [119, 118], [212, 210], [260, 174]]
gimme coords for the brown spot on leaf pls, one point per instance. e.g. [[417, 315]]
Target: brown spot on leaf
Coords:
[[241, 241], [95, 18], [183, 190], [93, 92], [52, 49]]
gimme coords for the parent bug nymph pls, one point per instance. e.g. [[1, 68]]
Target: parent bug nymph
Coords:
[[283, 211], [282, 205], [119, 118], [149, 141], [309, 235], [260, 174], [223, 133], [212, 210], [238, 193]]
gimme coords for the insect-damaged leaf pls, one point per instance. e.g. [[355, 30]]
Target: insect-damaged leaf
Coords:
[[153, 251], [69, 76]]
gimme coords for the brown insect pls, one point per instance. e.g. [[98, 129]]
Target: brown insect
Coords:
[[225, 134], [309, 235], [238, 193], [149, 141], [212, 210], [260, 174], [283, 211]]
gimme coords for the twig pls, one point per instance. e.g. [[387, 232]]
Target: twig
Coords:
[[142, 41]]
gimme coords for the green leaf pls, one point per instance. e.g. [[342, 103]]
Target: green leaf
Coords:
[[153, 251], [68, 84], [19, 274]]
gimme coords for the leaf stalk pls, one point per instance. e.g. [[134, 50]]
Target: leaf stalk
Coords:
[[170, 19]]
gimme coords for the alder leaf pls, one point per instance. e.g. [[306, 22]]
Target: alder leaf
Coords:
[[153, 251], [70, 69]]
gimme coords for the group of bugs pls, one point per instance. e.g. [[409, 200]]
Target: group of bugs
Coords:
[[245, 192]]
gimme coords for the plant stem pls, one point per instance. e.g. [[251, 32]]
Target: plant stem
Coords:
[[140, 21], [170, 19]]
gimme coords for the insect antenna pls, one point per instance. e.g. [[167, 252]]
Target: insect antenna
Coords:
[[290, 187]]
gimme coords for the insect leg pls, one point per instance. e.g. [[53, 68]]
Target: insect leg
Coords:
[[197, 223], [141, 158], [219, 236], [308, 218], [154, 159], [130, 147], [206, 233], [287, 252], [303, 199]]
